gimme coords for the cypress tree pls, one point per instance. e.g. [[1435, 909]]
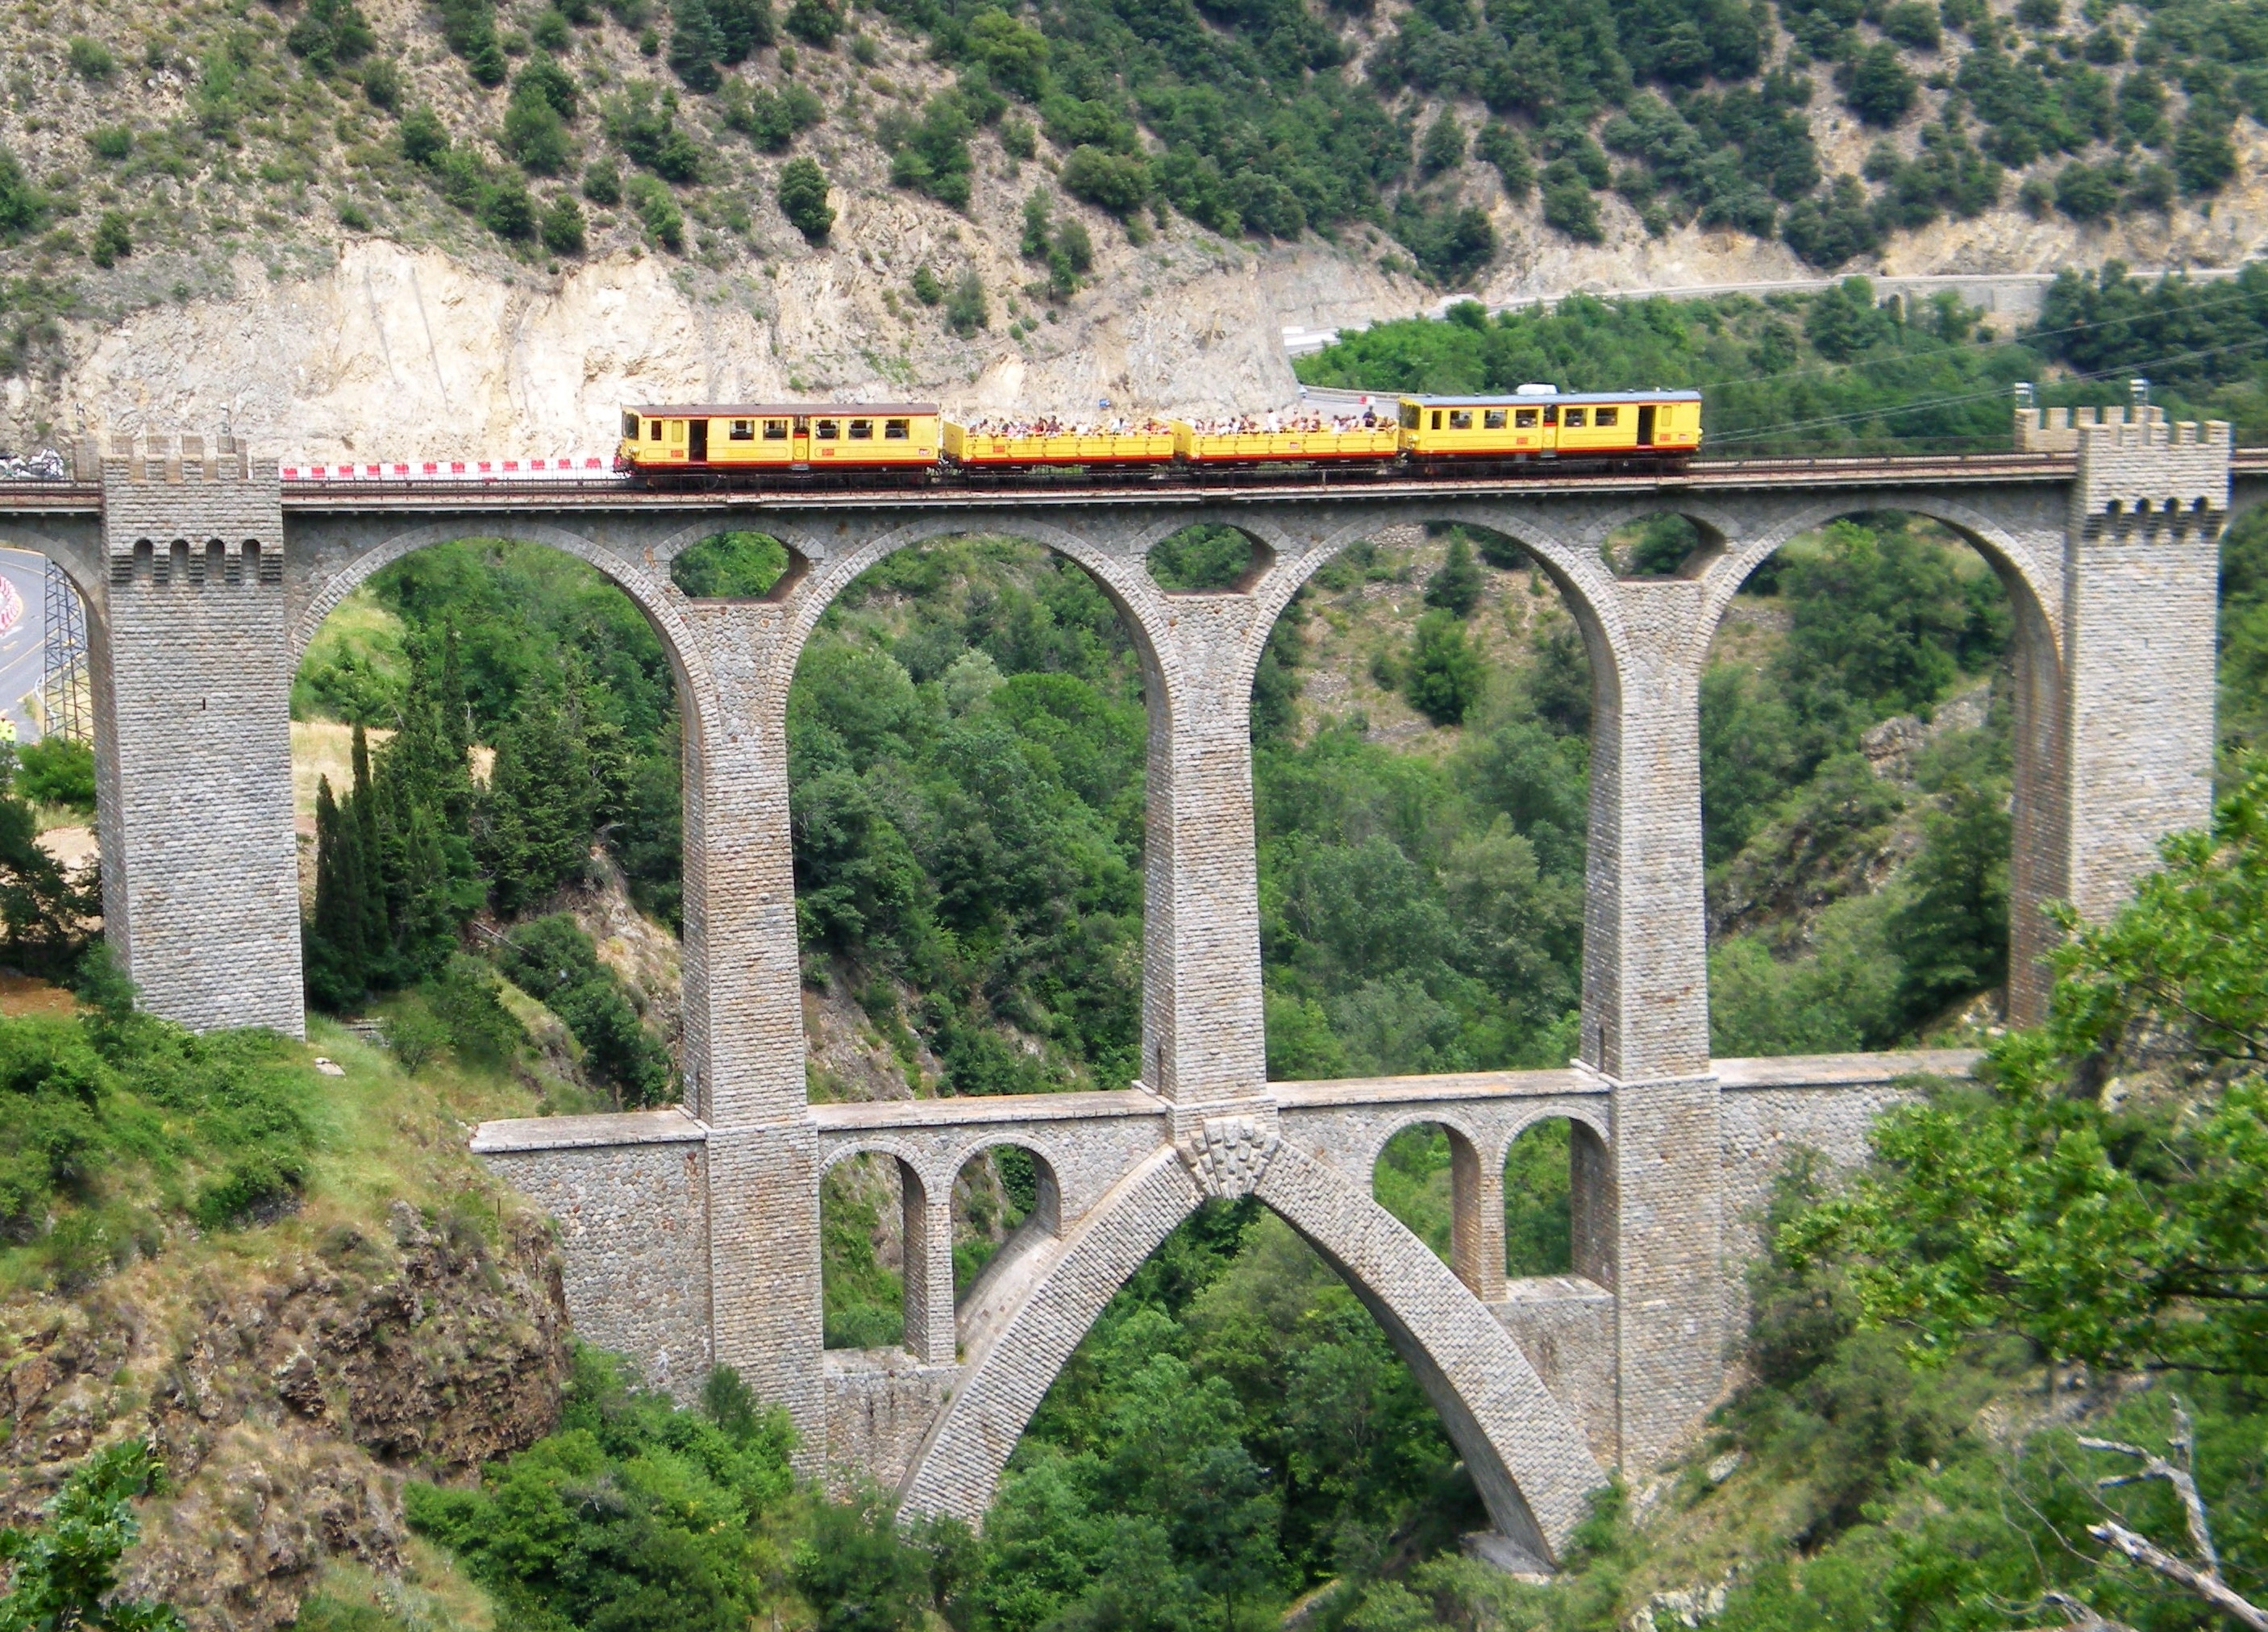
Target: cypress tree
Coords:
[[334, 940], [456, 722], [539, 803], [377, 931], [696, 46], [1455, 586]]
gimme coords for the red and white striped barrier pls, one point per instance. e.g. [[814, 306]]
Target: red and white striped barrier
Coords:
[[572, 468]]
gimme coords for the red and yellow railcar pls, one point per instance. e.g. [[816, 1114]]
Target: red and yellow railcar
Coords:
[[1544, 422]]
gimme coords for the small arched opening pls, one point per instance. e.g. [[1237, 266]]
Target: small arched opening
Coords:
[[1207, 557], [737, 566], [873, 1213]]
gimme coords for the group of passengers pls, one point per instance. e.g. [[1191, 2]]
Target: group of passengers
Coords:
[[1307, 421], [1049, 426]]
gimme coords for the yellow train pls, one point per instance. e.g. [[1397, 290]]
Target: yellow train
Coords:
[[794, 443]]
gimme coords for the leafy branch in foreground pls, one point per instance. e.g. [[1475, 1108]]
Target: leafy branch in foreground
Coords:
[[64, 1571], [2106, 1193]]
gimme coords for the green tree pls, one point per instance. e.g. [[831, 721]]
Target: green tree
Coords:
[[856, 1572], [112, 240], [1877, 86], [1444, 145], [814, 22], [337, 955], [563, 225], [1456, 586], [696, 45], [2127, 1233], [743, 27], [424, 138], [802, 196], [539, 806], [966, 311], [1445, 673]]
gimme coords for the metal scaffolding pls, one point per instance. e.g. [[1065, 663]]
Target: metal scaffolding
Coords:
[[65, 709]]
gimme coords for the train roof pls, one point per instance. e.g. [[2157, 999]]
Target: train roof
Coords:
[[755, 411], [1518, 399]]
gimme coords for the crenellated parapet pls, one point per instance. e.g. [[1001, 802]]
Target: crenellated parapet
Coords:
[[2058, 430]]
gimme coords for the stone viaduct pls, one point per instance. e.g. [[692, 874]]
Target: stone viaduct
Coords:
[[691, 1236]]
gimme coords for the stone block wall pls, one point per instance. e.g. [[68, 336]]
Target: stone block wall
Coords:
[[630, 1196], [2140, 613], [200, 866], [2058, 430]]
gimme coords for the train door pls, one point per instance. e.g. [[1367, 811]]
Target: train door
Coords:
[[1646, 425], [800, 446], [696, 446]]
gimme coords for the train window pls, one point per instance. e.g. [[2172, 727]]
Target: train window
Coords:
[[1437, 419], [1409, 416], [1574, 418], [1606, 415], [630, 427], [1492, 419], [744, 431], [775, 430], [826, 430], [1460, 419], [1523, 419], [654, 430], [894, 431], [862, 429]]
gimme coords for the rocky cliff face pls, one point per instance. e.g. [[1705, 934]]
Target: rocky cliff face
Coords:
[[287, 1402]]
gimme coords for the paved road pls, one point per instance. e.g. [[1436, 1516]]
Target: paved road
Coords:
[[2016, 295], [22, 643]]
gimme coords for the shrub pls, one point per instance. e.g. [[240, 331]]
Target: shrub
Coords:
[[603, 183], [468, 26], [1568, 204], [2087, 192], [802, 196], [926, 289], [90, 59], [1444, 147], [643, 124], [771, 119], [1912, 24], [423, 137], [1445, 674], [57, 771], [742, 27], [563, 226], [415, 1035], [1877, 87], [507, 210], [331, 34], [546, 80], [111, 142], [1118, 182], [664, 221], [814, 22], [534, 135], [23, 208], [555, 962], [552, 32], [931, 154], [2205, 158], [112, 240], [381, 83], [353, 216], [696, 46], [1018, 139], [966, 311], [1500, 145]]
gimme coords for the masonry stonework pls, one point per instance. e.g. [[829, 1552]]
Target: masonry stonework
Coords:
[[692, 1236]]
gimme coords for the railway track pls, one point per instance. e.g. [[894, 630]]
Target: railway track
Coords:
[[84, 499]]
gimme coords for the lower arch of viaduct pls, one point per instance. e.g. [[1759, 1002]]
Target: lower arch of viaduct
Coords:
[[692, 1235]]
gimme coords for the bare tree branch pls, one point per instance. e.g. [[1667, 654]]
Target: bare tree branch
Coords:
[[2210, 1588]]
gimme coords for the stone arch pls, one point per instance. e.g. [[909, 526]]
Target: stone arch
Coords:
[[1049, 1205], [81, 559], [1716, 527], [661, 603], [2035, 586], [1526, 1453], [1450, 1120], [910, 1155]]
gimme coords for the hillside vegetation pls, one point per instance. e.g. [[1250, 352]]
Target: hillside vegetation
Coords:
[[146, 148]]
